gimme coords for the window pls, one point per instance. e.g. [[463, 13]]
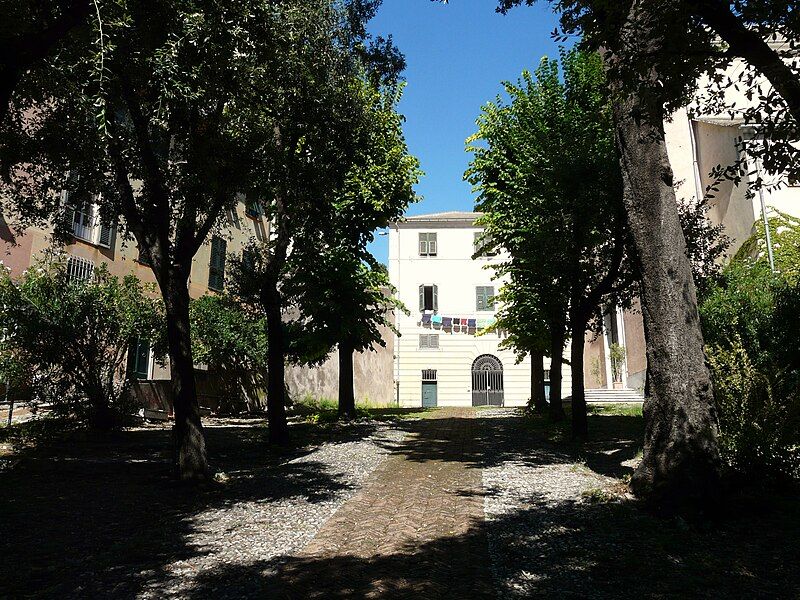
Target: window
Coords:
[[139, 359], [484, 297], [428, 298], [216, 269], [79, 269], [480, 245], [429, 341], [427, 244], [253, 209], [87, 225], [232, 215], [429, 375]]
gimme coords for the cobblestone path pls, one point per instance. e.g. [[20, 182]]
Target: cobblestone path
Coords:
[[415, 531]]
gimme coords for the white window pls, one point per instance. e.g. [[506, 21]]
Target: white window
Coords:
[[427, 244], [429, 375], [429, 341], [79, 269], [484, 297], [428, 298], [87, 224]]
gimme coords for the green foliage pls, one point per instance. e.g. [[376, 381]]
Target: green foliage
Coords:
[[616, 354], [750, 324], [66, 340], [759, 415], [784, 232], [232, 341], [759, 309], [548, 180]]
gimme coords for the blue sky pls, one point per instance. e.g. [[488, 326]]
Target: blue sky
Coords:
[[457, 55]]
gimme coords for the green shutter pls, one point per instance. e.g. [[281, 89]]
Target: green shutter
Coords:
[[216, 268]]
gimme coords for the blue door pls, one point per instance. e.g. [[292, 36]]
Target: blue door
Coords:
[[429, 393]]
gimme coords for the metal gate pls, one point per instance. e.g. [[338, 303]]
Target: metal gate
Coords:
[[487, 381]]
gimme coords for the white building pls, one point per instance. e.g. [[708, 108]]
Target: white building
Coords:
[[439, 358]]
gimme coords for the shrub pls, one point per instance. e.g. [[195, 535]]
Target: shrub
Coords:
[[232, 341], [750, 325], [758, 415], [69, 338]]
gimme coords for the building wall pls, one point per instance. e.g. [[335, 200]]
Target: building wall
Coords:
[[19, 252], [372, 375], [456, 275]]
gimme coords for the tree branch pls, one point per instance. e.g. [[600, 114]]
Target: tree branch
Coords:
[[749, 45]]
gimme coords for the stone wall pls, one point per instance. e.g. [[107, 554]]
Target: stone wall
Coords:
[[373, 375]]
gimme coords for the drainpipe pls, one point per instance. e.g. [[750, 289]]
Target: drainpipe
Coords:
[[698, 185], [767, 234]]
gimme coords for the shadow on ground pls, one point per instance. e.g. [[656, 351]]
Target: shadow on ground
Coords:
[[105, 520]]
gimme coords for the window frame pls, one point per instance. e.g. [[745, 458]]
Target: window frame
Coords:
[[429, 240], [423, 305], [481, 294], [429, 338]]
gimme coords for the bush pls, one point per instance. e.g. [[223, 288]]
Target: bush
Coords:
[[67, 339], [752, 333], [758, 416], [232, 341]]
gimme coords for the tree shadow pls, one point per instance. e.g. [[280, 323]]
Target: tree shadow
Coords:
[[87, 519], [566, 549]]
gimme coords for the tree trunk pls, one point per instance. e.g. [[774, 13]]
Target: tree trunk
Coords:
[[276, 366], [347, 399], [681, 462], [538, 401], [556, 353], [580, 425], [188, 436]]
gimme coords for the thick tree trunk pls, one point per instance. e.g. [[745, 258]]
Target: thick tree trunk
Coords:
[[557, 357], [347, 398], [189, 439], [580, 425], [538, 401], [681, 458], [276, 366]]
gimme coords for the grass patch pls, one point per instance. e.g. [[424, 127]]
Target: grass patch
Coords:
[[632, 409], [326, 410]]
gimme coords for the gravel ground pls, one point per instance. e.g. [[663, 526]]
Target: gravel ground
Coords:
[[253, 532], [530, 495]]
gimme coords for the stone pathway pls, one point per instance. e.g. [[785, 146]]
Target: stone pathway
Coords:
[[414, 531]]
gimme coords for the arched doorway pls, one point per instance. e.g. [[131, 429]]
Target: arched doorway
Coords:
[[487, 381]]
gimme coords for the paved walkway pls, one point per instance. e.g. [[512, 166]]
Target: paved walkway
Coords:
[[415, 531]]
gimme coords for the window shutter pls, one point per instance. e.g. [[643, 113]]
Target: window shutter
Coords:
[[423, 340], [435, 298], [105, 237], [479, 302], [423, 244], [433, 341], [489, 291], [421, 298], [475, 246], [432, 244], [216, 268]]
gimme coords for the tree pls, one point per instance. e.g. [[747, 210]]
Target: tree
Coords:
[[377, 190], [549, 186], [30, 33], [231, 339], [175, 113], [70, 338]]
